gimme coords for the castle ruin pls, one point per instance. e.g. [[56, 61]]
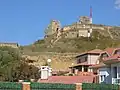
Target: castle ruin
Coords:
[[83, 27]]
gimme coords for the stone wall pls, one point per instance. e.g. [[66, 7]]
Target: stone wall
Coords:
[[79, 29], [13, 45]]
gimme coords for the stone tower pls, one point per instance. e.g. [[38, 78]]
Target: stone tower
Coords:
[[52, 28], [85, 20]]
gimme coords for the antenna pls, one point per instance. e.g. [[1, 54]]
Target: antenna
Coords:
[[90, 14]]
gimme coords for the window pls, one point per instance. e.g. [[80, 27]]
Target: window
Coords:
[[80, 68], [78, 61], [118, 72], [86, 69], [84, 59], [117, 52], [104, 56], [115, 72]]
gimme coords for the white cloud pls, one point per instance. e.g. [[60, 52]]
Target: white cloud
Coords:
[[117, 4]]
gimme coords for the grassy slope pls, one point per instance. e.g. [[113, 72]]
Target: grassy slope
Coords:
[[76, 45]]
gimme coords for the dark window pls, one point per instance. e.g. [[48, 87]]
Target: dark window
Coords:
[[73, 70], [80, 68], [85, 68], [117, 52], [57, 29], [115, 72], [78, 61], [104, 55]]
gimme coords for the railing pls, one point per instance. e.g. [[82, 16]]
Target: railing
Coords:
[[94, 86], [115, 81]]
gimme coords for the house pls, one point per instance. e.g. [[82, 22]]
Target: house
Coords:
[[84, 61], [109, 67]]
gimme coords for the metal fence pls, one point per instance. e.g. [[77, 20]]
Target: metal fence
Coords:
[[10, 86], [50, 86], [93, 86]]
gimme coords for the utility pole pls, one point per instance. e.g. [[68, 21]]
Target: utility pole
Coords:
[[90, 29]]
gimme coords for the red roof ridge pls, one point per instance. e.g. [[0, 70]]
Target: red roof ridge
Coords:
[[92, 51], [111, 51], [68, 79]]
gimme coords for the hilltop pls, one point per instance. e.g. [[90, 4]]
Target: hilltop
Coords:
[[65, 50], [62, 44]]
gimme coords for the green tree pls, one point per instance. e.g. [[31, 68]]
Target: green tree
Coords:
[[13, 67]]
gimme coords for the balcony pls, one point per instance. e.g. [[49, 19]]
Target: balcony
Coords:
[[115, 81]]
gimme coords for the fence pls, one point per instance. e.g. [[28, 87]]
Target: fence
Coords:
[[10, 86], [52, 86], [56, 86], [93, 86]]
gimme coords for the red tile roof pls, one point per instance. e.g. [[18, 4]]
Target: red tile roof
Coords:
[[68, 79], [109, 50], [116, 56], [95, 51]]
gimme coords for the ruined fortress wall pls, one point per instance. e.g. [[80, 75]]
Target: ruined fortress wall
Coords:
[[13, 45], [76, 29], [83, 33], [88, 26], [72, 34], [66, 28]]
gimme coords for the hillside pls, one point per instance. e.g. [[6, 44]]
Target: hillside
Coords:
[[65, 50]]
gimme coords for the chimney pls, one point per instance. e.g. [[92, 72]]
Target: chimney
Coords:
[[46, 71]]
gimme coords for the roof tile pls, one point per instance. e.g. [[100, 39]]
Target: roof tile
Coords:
[[68, 79]]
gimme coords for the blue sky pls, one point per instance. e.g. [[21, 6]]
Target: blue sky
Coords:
[[24, 21]]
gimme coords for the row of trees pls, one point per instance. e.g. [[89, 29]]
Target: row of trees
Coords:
[[13, 67]]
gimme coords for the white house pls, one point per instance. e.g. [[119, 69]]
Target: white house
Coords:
[[109, 67]]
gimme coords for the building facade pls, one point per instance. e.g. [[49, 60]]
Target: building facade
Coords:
[[109, 69], [84, 61]]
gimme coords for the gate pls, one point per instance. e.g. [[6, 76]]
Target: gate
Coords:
[[50, 86], [93, 86], [10, 86]]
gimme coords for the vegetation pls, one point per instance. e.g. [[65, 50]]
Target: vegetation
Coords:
[[13, 67], [74, 45], [99, 40]]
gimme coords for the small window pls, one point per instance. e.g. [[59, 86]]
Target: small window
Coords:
[[43, 68], [115, 72], [86, 69]]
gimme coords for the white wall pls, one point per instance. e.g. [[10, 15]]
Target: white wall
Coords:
[[118, 71], [92, 59], [107, 73]]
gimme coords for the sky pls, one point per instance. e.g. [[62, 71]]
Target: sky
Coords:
[[24, 21]]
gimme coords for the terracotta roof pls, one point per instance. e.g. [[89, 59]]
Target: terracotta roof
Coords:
[[109, 50], [95, 51], [116, 56], [68, 79]]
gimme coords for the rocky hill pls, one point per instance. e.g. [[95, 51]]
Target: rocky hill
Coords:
[[64, 50]]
